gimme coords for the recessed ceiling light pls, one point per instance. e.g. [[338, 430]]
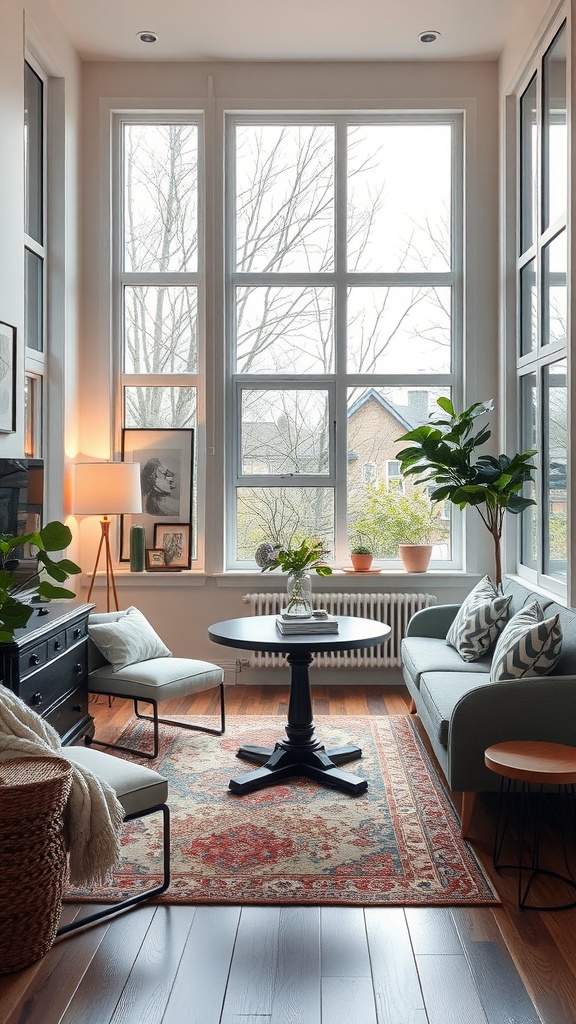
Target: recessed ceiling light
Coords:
[[147, 37], [430, 36]]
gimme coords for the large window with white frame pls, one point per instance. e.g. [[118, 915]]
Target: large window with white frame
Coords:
[[35, 254], [542, 274], [159, 308], [344, 295]]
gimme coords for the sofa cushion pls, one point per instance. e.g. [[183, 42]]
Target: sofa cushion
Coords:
[[529, 645], [425, 653], [441, 691], [481, 618]]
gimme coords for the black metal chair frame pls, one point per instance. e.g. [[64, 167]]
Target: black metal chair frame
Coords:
[[155, 719], [132, 901]]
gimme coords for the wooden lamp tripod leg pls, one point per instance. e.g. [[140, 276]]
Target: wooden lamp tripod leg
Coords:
[[105, 540]]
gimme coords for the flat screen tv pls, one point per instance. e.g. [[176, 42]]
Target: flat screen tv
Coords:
[[21, 504]]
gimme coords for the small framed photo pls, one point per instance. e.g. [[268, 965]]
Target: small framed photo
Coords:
[[174, 541], [155, 558], [7, 378]]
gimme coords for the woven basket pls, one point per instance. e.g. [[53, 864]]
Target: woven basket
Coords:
[[33, 866]]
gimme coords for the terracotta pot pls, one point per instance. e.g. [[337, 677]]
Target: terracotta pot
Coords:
[[361, 562], [416, 557]]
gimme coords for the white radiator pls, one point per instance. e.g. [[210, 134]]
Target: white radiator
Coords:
[[394, 609]]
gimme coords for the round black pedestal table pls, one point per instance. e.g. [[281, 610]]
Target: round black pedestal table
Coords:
[[301, 752]]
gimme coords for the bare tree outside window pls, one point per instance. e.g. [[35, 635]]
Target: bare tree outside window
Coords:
[[388, 300]]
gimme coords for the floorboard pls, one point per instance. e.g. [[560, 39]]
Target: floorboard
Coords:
[[253, 970], [297, 989], [305, 965], [397, 991], [199, 988]]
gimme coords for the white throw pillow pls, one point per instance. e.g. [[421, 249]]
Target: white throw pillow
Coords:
[[129, 639], [530, 645], [481, 618]]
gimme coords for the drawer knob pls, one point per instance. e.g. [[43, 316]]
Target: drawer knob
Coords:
[[78, 669], [76, 707], [36, 699], [77, 633], [57, 645], [34, 659]]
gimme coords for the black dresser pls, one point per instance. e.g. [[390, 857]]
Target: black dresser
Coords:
[[47, 667]]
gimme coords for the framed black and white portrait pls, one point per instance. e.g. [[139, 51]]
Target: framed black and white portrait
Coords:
[[166, 476]]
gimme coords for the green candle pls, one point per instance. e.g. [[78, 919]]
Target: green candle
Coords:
[[137, 548]]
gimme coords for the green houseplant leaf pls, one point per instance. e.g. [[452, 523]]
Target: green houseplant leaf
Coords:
[[444, 452], [14, 612]]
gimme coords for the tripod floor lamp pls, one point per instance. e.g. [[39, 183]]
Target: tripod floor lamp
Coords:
[[105, 489]]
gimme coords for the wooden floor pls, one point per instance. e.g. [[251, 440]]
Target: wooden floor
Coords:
[[307, 965]]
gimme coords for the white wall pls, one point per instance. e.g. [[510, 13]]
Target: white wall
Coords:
[[527, 27], [181, 608]]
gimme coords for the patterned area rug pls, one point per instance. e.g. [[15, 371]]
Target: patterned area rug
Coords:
[[300, 842]]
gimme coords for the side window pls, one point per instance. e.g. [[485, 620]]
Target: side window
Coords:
[[542, 289], [35, 254], [159, 306]]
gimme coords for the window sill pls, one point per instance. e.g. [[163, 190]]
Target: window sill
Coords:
[[125, 578], [387, 579]]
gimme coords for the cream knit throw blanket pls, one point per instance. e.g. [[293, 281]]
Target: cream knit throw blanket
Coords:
[[93, 815]]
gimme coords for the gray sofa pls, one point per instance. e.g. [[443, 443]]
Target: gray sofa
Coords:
[[463, 712]]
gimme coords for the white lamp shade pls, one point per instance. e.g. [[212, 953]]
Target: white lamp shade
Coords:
[[107, 488]]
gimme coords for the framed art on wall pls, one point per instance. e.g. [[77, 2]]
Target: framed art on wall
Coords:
[[165, 458], [174, 540], [7, 378]]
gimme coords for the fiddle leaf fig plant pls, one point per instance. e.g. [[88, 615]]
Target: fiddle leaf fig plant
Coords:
[[15, 612], [444, 452]]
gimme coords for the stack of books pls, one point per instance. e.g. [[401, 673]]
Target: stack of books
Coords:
[[313, 624]]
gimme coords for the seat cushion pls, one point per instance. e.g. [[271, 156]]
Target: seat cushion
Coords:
[[424, 654], [158, 679], [127, 639], [441, 691], [137, 788], [529, 645]]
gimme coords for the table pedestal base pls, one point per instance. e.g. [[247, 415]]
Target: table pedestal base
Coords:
[[286, 761], [301, 753]]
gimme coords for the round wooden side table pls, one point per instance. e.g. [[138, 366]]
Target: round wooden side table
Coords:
[[527, 767]]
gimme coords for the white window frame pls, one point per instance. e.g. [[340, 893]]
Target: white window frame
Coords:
[[544, 356], [339, 381], [121, 278], [35, 362]]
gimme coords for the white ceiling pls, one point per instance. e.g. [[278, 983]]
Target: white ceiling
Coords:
[[288, 29]]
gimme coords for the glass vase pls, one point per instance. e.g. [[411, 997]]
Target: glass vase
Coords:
[[299, 589]]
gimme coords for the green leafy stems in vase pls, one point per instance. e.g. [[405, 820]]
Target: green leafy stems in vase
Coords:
[[297, 562]]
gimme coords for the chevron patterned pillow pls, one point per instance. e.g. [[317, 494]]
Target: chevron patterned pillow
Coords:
[[528, 645], [481, 618]]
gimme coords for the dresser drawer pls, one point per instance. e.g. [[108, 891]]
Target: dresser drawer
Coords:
[[67, 716], [59, 676], [76, 632], [33, 659], [56, 644]]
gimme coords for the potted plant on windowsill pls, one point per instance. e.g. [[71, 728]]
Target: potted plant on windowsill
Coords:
[[444, 452], [17, 596], [361, 556]]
